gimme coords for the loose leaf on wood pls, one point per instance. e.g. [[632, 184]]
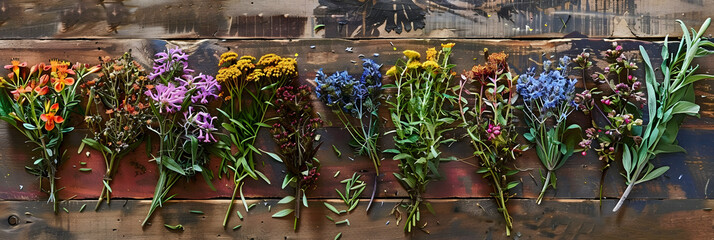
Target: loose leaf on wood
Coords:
[[283, 213]]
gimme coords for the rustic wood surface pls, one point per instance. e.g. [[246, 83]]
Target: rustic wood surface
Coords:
[[670, 206], [72, 19], [454, 219]]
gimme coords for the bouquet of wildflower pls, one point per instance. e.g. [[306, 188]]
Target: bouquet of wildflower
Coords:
[[295, 134], [615, 105], [668, 103], [349, 96], [421, 121], [548, 101], [249, 89], [37, 101], [490, 126], [185, 129], [120, 115]]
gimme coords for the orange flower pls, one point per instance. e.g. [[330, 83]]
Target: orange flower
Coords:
[[16, 93], [42, 90], [15, 65], [62, 80], [50, 118]]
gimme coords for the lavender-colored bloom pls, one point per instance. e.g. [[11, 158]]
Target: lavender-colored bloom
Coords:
[[206, 87], [172, 61], [371, 77], [169, 97], [201, 123], [329, 89]]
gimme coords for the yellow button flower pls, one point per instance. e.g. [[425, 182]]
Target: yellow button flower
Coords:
[[431, 54], [411, 54]]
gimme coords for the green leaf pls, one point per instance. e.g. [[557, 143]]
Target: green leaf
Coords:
[[338, 236], [179, 227], [172, 165], [229, 127], [283, 213], [402, 156], [654, 174], [482, 170], [261, 175], [394, 151], [627, 158], [66, 130], [332, 208], [529, 137], [106, 184], [261, 124], [651, 83], [337, 151], [685, 107], [273, 155], [286, 199], [512, 185], [29, 126], [304, 198]]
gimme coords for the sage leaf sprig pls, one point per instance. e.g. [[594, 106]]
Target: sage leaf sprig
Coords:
[[249, 87], [121, 111], [185, 128], [295, 132], [548, 101], [668, 102], [421, 115], [353, 188], [38, 101], [490, 126], [355, 98]]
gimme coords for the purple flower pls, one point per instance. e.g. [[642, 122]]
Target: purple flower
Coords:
[[206, 88], [168, 96], [203, 124], [172, 61]]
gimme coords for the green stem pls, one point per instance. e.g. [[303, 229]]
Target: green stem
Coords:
[[545, 187], [230, 205]]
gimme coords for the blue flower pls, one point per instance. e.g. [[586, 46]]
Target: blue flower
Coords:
[[546, 94], [352, 95]]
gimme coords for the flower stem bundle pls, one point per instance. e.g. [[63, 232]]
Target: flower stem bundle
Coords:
[[548, 101], [121, 111], [38, 101], [615, 105], [489, 124], [421, 122], [668, 102], [249, 88], [295, 132], [358, 98], [185, 129]]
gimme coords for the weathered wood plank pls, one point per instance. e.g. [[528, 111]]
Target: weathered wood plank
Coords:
[[136, 176], [454, 219], [347, 18]]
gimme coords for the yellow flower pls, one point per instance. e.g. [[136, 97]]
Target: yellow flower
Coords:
[[431, 54], [255, 75], [248, 57], [229, 73], [430, 65], [392, 71], [244, 65], [287, 67], [227, 57], [414, 64], [411, 54], [448, 45], [269, 59]]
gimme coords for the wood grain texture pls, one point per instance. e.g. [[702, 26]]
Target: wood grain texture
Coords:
[[136, 177], [454, 219], [22, 19]]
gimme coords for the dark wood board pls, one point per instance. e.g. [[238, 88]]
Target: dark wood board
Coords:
[[454, 219], [136, 176], [194, 19]]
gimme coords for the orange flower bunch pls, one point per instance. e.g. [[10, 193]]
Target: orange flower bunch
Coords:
[[493, 67], [28, 104]]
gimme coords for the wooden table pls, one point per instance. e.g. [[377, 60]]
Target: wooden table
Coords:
[[676, 205]]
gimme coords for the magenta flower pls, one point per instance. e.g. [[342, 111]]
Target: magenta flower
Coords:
[[203, 124], [168, 96], [207, 88], [170, 61]]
